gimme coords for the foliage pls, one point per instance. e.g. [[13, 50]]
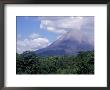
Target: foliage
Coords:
[[30, 63]]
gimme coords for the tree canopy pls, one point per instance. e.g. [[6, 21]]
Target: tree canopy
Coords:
[[30, 63]]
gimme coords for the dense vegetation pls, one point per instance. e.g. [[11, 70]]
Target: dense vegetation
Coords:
[[29, 63]]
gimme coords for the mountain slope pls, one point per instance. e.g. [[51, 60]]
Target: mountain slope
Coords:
[[71, 42]]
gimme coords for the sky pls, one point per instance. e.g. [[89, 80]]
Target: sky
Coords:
[[36, 32]]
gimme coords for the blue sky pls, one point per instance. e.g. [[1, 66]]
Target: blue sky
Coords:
[[31, 24], [36, 32]]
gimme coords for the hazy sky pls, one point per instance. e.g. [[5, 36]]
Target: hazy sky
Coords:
[[35, 32]]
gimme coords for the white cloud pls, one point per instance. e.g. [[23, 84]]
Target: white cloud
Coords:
[[61, 24], [34, 35], [83, 25], [31, 43]]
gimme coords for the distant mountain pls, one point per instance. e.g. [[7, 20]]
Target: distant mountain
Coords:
[[70, 43]]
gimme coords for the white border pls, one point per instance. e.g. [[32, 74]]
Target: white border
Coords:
[[97, 80]]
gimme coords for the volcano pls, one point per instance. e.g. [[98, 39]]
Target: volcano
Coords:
[[70, 43]]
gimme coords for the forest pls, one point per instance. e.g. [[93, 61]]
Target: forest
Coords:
[[30, 63]]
